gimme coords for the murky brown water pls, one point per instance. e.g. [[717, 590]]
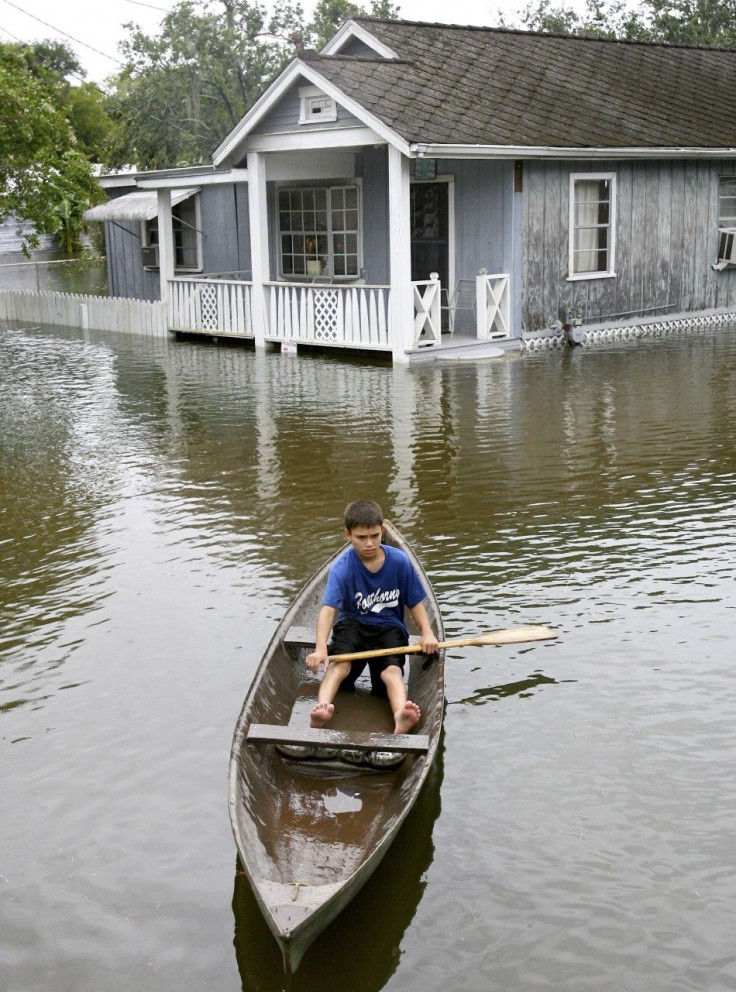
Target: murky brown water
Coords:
[[161, 504]]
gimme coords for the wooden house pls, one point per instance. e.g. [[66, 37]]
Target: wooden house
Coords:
[[415, 186]]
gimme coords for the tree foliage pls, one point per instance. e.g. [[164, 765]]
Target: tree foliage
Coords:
[[183, 90], [710, 23], [44, 177], [330, 14]]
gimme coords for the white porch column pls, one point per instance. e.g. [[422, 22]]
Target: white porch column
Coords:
[[165, 244], [401, 314], [259, 262]]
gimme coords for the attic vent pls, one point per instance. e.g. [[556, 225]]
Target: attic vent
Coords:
[[315, 106]]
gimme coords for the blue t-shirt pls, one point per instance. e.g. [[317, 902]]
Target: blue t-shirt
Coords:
[[374, 597]]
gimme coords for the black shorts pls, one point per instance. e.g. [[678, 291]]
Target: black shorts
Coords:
[[349, 636]]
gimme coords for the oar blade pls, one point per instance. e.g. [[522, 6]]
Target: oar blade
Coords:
[[516, 635]]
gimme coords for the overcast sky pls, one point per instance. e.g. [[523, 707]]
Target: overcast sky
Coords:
[[94, 28]]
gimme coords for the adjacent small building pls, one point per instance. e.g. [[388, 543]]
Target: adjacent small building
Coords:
[[415, 186]]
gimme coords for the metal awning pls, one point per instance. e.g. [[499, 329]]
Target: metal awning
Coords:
[[139, 205]]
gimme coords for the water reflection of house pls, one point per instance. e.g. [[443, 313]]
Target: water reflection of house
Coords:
[[566, 179]]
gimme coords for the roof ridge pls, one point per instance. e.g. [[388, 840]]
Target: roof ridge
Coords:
[[481, 28], [311, 56]]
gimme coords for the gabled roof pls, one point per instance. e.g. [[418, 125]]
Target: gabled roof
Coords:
[[487, 86]]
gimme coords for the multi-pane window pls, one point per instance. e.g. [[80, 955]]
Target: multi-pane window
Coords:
[[727, 201], [319, 231], [186, 236], [592, 220]]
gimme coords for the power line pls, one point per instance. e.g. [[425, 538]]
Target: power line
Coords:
[[157, 120], [64, 33], [150, 6]]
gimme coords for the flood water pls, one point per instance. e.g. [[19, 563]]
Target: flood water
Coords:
[[162, 502]]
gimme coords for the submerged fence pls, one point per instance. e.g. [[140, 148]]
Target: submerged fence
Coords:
[[73, 310], [44, 274]]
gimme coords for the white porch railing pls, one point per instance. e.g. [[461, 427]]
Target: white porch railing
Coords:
[[493, 306], [427, 312], [346, 316], [215, 306]]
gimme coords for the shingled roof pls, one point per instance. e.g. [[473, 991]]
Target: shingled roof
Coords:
[[489, 86]]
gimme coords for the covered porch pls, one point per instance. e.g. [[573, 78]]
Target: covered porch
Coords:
[[399, 315]]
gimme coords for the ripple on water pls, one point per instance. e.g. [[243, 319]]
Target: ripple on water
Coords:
[[161, 504]]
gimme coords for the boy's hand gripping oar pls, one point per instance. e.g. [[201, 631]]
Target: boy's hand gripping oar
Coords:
[[511, 635]]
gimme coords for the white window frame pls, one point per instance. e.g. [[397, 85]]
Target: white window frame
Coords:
[[726, 191], [328, 271], [315, 107], [610, 226], [148, 228]]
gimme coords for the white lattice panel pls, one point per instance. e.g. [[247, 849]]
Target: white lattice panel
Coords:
[[208, 307], [326, 315]]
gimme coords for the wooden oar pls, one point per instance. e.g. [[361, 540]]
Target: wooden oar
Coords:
[[510, 635]]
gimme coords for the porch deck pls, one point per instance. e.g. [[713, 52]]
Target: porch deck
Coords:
[[350, 316]]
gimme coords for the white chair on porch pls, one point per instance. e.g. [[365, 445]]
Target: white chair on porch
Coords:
[[462, 297]]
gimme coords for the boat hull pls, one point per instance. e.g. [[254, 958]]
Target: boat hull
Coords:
[[309, 835]]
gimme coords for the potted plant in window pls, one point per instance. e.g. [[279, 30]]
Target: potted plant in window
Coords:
[[315, 265]]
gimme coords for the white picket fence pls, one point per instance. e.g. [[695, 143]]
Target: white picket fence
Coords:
[[103, 313]]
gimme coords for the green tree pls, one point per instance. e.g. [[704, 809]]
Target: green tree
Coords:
[[86, 108], [182, 91], [330, 14], [710, 23], [598, 19], [44, 178], [55, 58]]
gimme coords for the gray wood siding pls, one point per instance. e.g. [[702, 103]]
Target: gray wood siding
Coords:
[[225, 229], [225, 233], [666, 242], [484, 221], [483, 193], [285, 116], [126, 276], [373, 168]]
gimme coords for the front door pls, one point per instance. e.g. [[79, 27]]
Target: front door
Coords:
[[429, 231]]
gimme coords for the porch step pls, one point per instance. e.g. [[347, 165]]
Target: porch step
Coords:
[[463, 349]]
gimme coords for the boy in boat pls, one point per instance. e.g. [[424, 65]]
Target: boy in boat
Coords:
[[367, 590]]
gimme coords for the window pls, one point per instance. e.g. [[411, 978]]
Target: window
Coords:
[[319, 231], [592, 225], [727, 201], [187, 243], [315, 106]]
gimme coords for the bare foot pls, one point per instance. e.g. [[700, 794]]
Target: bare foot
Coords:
[[321, 713], [407, 717]]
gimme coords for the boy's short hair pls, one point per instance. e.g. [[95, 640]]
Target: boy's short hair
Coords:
[[363, 513]]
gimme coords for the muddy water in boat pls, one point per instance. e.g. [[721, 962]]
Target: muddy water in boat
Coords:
[[161, 505]]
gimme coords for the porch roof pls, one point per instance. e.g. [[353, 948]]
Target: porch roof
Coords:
[[139, 205], [495, 87]]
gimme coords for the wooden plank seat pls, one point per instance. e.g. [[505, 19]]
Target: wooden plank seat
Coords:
[[300, 637], [267, 733], [303, 637]]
